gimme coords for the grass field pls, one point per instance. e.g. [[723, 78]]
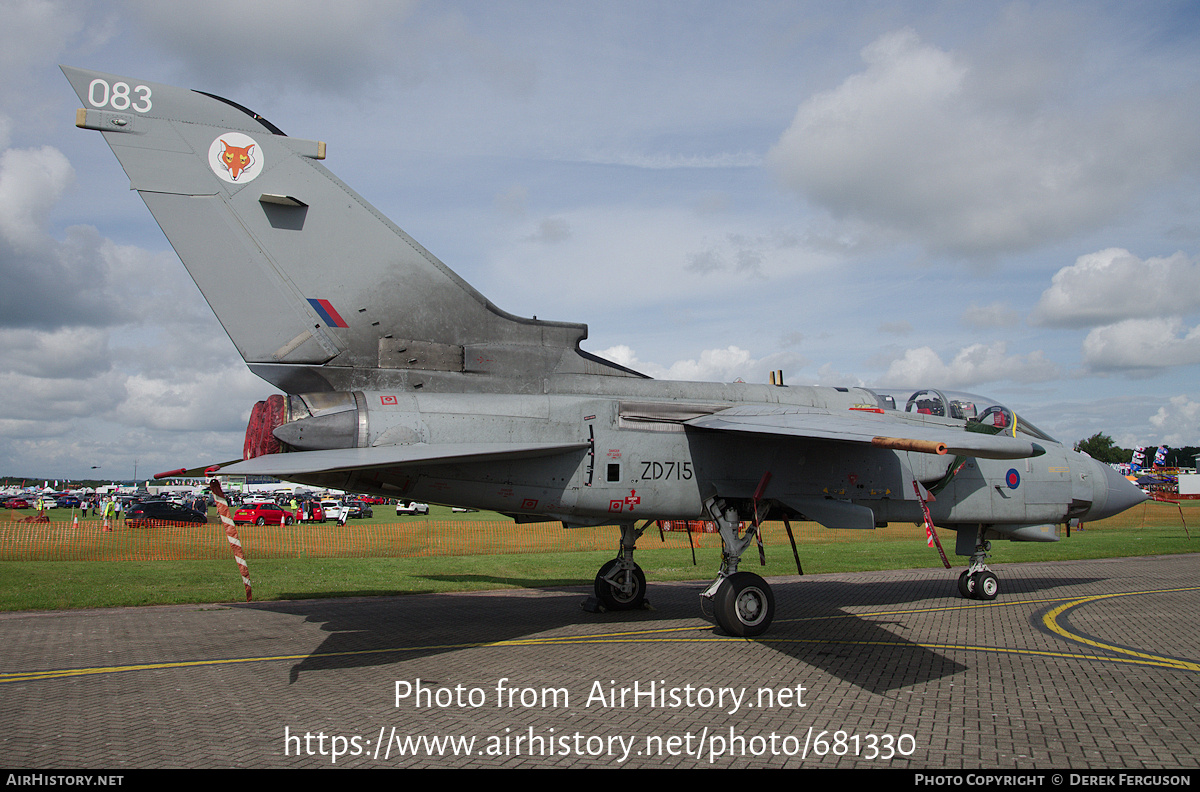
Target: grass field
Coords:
[[384, 556]]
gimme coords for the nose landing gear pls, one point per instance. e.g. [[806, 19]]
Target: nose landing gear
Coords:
[[620, 584], [979, 582]]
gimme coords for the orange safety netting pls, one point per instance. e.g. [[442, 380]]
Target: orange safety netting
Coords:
[[87, 540]]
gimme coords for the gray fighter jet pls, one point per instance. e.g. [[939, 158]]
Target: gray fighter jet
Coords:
[[404, 381]]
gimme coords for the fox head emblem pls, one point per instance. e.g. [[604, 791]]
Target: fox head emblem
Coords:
[[236, 159]]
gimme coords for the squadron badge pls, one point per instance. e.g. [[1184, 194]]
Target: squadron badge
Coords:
[[235, 157]]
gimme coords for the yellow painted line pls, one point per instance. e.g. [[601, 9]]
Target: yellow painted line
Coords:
[[25, 676], [1052, 623], [1147, 660]]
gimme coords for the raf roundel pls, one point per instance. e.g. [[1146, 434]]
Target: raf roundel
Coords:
[[1013, 479], [235, 157]]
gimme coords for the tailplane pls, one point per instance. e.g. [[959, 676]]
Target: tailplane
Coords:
[[315, 287]]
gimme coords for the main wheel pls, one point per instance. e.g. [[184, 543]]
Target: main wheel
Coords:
[[966, 584], [987, 585], [744, 605], [614, 598]]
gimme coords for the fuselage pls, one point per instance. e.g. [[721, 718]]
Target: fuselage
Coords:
[[639, 459]]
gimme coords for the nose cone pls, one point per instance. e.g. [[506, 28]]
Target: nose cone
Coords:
[[1112, 493]]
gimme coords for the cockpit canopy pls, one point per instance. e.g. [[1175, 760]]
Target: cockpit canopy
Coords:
[[976, 413]]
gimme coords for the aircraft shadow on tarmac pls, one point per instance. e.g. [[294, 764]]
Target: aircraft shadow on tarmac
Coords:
[[813, 626]]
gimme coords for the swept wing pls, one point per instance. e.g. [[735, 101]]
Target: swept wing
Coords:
[[885, 429]]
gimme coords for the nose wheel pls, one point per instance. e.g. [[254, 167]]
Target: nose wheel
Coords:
[[978, 585], [986, 585], [966, 585], [979, 582]]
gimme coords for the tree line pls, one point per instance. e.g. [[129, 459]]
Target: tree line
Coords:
[[1100, 446]]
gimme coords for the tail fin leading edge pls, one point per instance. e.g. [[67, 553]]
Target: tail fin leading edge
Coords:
[[311, 282]]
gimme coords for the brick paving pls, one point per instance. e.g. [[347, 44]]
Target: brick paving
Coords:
[[896, 661]]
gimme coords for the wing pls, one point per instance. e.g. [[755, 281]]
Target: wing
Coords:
[[417, 454], [885, 429]]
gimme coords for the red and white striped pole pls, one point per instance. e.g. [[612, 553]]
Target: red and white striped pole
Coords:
[[231, 533], [930, 532]]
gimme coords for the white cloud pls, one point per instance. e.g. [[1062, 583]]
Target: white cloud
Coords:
[[728, 364], [714, 365], [73, 352], [48, 283], [31, 182], [1178, 421], [57, 399], [828, 375], [101, 342], [925, 143], [1111, 285], [183, 400], [1142, 346], [971, 366]]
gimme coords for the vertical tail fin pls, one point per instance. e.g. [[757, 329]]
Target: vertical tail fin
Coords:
[[311, 282]]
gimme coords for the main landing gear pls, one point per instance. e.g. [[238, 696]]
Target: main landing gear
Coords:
[[620, 584], [979, 582], [742, 602]]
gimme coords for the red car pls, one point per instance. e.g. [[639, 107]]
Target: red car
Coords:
[[313, 508], [262, 514]]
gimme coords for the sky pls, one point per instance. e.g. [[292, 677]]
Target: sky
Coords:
[[998, 198]]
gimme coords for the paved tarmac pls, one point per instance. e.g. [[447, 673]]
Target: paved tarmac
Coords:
[[1082, 664]]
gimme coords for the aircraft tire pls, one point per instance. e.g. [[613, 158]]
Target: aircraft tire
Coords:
[[744, 605], [987, 585], [614, 599], [966, 584]]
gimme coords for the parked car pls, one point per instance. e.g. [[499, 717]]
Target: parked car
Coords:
[[359, 509], [262, 514], [411, 507], [141, 515]]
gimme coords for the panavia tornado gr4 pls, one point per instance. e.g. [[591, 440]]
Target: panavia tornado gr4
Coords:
[[404, 381]]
